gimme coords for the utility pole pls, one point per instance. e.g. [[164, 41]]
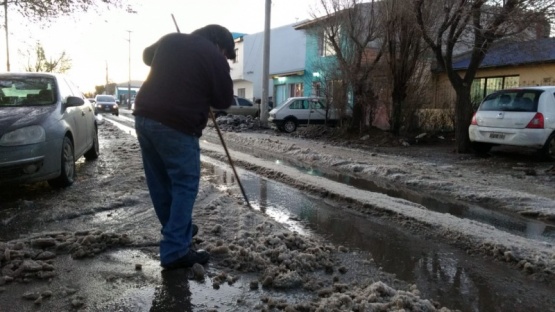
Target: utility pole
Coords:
[[7, 41], [266, 66], [107, 79], [129, 80]]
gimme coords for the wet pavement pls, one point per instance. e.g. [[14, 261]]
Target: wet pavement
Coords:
[[441, 272]]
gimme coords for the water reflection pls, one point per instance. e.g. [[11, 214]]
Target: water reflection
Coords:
[[173, 295]]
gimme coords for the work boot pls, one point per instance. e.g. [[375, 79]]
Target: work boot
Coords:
[[191, 257]]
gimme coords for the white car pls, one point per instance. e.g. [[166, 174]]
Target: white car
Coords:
[[521, 117], [302, 111]]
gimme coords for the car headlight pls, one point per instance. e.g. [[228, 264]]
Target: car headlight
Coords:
[[24, 136]]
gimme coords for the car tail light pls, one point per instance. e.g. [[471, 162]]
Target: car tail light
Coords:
[[536, 122], [474, 121]]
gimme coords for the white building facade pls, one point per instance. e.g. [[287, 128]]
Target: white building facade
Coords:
[[287, 54]]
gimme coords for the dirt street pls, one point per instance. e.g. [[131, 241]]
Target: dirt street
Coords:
[[94, 246]]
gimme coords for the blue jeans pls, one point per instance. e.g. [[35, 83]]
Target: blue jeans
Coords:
[[171, 161]]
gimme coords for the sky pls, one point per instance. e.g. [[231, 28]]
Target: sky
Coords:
[[98, 41]]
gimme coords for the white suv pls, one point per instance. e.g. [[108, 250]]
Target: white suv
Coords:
[[521, 117], [302, 111]]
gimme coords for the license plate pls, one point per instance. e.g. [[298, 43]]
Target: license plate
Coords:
[[500, 136], [106, 108]]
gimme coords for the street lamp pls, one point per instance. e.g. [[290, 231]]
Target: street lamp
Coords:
[[129, 78]]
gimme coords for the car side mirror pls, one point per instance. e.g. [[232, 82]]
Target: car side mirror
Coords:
[[74, 101]]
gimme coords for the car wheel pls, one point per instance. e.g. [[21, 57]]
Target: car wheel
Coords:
[[67, 174], [290, 125], [219, 114], [117, 113], [481, 148], [94, 152], [548, 150]]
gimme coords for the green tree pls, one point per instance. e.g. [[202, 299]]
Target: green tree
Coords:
[[453, 26], [42, 63]]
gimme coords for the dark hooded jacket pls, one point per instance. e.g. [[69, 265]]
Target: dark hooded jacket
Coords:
[[188, 74]]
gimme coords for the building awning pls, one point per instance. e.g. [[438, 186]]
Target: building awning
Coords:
[[288, 74]]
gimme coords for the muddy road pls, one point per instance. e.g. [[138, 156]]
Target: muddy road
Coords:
[[335, 225]]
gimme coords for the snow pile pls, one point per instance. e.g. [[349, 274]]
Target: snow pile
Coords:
[[30, 258], [236, 123], [243, 240]]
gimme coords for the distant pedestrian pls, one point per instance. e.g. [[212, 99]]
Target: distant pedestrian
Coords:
[[189, 73]]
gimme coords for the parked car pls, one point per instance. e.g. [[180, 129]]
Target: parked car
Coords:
[[302, 111], [240, 106], [46, 124], [107, 104], [519, 117]]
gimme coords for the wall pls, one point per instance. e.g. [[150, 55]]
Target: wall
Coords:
[[287, 53], [237, 70], [443, 94]]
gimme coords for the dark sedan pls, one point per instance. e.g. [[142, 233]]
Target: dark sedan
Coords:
[[106, 104]]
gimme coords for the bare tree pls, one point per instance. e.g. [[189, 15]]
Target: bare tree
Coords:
[[404, 49], [347, 30], [41, 63], [40, 11], [456, 25], [100, 89], [37, 10]]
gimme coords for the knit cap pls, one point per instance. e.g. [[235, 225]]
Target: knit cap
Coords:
[[220, 36]]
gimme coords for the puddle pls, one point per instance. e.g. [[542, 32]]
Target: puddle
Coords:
[[511, 223], [441, 272]]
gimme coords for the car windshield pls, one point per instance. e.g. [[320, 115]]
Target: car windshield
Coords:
[[105, 98], [512, 101], [26, 91]]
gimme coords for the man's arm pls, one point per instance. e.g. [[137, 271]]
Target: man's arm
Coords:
[[222, 93]]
